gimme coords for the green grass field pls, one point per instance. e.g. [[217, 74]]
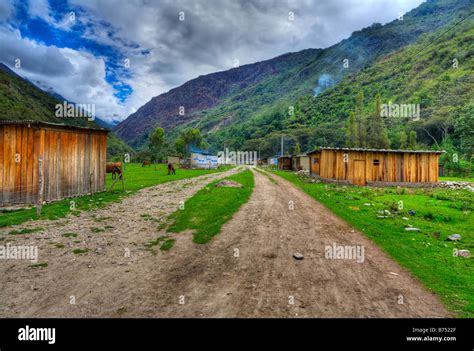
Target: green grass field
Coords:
[[211, 207], [427, 254], [456, 179], [136, 177]]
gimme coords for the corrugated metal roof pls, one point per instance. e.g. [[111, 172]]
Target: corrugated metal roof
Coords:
[[50, 124], [378, 150], [196, 150]]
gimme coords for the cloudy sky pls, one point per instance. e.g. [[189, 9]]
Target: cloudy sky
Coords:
[[119, 54]]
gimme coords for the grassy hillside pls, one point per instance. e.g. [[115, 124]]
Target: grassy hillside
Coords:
[[424, 73], [421, 73], [21, 100], [117, 148]]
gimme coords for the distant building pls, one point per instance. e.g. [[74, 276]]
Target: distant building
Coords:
[[284, 163], [272, 161], [203, 159], [300, 162], [373, 166]]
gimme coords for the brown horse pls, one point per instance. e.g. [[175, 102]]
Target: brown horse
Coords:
[[171, 169], [114, 168], [146, 163]]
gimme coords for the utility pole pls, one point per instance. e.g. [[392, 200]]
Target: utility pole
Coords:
[[281, 146]]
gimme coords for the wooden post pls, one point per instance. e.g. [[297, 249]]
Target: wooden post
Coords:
[[40, 186], [90, 182]]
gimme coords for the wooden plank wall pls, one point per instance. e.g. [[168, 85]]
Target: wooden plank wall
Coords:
[[392, 167], [315, 162], [284, 163], [71, 159]]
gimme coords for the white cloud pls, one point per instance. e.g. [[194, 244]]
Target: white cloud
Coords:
[[212, 36], [39, 8], [77, 75]]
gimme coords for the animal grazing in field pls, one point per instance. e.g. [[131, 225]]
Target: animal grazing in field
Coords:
[[146, 163], [114, 168], [171, 169]]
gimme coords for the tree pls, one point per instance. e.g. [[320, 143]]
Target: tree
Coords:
[[377, 132], [360, 139], [187, 138], [403, 140], [297, 149], [412, 145], [180, 147], [352, 135], [157, 139]]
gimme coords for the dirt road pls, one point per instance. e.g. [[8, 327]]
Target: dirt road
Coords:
[[248, 270]]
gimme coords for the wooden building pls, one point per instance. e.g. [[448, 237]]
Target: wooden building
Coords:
[[300, 162], [375, 167], [284, 163], [70, 161]]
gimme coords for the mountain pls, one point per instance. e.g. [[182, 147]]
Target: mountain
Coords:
[[20, 99], [202, 93], [220, 104], [434, 73]]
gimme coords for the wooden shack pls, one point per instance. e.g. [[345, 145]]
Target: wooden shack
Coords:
[[284, 163], [300, 162], [375, 167], [70, 161]]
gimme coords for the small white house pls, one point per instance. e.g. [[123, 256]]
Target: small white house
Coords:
[[300, 162], [203, 159]]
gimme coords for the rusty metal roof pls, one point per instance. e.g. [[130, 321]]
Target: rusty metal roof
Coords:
[[377, 150], [50, 124]]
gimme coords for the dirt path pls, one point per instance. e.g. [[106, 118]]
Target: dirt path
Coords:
[[115, 237], [246, 271]]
